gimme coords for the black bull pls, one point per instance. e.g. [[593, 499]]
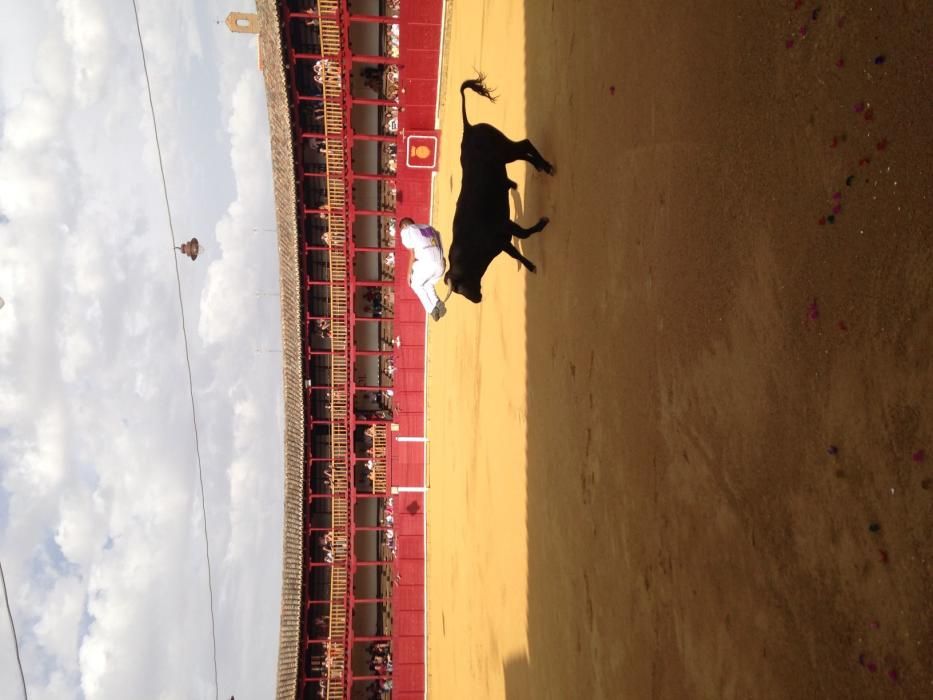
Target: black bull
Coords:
[[482, 228]]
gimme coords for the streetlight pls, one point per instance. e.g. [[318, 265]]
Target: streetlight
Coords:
[[191, 248]]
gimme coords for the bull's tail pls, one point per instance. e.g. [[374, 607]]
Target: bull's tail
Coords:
[[478, 86]]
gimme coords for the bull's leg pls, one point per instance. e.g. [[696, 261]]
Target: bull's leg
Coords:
[[510, 151], [531, 154], [513, 251], [487, 140], [519, 232]]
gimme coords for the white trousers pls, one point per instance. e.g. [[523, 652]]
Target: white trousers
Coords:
[[427, 271]]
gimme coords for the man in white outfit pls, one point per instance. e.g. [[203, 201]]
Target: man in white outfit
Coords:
[[427, 264]]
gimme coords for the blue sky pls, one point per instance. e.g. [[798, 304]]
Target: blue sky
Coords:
[[100, 521]]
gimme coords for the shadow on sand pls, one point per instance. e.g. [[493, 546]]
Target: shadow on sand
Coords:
[[688, 536]]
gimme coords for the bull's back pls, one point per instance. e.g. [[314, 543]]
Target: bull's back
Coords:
[[484, 193], [483, 143], [483, 204]]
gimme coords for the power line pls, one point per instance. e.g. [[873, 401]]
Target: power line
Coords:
[[184, 331], [9, 613]]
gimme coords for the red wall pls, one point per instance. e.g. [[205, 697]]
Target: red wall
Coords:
[[420, 31]]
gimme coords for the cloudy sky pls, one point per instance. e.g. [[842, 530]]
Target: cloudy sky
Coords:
[[100, 519]]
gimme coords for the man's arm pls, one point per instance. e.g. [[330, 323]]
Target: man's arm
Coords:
[[436, 235]]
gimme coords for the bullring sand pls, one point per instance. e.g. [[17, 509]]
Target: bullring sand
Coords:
[[631, 488]]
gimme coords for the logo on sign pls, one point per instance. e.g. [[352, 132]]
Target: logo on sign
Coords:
[[421, 151]]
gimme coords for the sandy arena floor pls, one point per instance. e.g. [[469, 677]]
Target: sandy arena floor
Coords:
[[631, 494]]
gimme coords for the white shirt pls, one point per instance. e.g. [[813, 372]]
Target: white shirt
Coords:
[[415, 237]]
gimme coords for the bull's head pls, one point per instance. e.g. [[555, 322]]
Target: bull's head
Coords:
[[467, 287]]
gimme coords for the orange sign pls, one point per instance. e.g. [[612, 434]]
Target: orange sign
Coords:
[[421, 151]]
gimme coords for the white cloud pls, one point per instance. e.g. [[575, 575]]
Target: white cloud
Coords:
[[34, 123], [232, 280], [102, 543], [27, 180], [85, 29], [57, 627], [40, 467], [60, 686], [82, 529]]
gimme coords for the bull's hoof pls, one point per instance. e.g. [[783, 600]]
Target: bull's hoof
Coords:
[[532, 268], [544, 221], [549, 168], [513, 185]]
